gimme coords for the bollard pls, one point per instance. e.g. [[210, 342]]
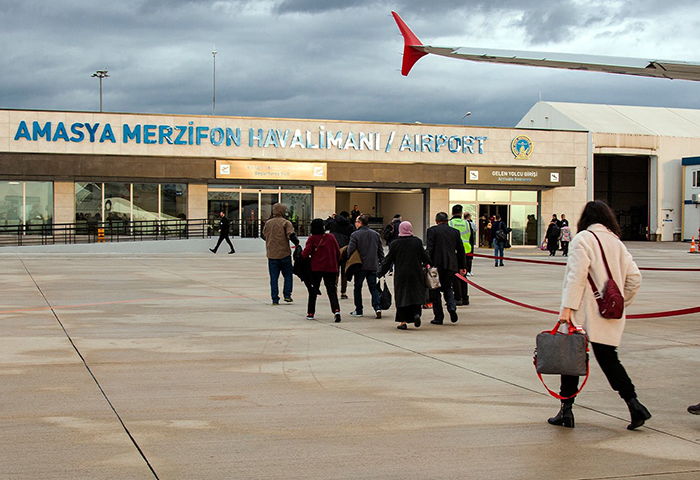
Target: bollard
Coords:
[[100, 235]]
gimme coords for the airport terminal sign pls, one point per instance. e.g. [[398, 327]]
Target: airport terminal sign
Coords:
[[271, 170], [190, 134], [526, 176]]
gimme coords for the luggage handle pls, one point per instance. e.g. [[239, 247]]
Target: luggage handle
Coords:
[[572, 329]]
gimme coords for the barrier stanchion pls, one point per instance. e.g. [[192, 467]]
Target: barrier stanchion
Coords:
[[100, 235]]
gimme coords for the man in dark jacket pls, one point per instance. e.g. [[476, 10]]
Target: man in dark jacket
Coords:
[[446, 250], [223, 233], [368, 244], [391, 230], [341, 228]]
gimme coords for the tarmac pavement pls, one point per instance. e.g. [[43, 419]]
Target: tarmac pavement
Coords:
[[172, 364]]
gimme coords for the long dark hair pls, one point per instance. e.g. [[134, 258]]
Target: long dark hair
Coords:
[[598, 212]]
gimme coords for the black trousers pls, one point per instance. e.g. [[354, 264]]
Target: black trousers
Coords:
[[470, 260], [461, 288], [446, 283], [565, 248], [329, 278], [606, 355], [222, 237]]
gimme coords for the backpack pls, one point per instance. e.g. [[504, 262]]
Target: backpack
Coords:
[[388, 233]]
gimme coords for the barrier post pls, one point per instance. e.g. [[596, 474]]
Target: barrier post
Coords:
[[101, 235]]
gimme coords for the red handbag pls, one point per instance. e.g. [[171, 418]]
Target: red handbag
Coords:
[[611, 303]]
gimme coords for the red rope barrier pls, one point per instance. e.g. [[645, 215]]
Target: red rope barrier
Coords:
[[545, 262], [669, 313]]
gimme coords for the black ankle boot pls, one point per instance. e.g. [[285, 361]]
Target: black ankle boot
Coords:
[[565, 417], [638, 412]]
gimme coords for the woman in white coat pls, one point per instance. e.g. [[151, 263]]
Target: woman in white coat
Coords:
[[579, 305]]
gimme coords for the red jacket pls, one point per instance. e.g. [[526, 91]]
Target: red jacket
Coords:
[[325, 257]]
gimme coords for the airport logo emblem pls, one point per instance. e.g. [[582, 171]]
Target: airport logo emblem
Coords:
[[224, 169], [318, 171], [554, 177], [521, 146], [473, 175]]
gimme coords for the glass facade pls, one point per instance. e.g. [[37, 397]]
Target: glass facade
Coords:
[[518, 208], [247, 207], [25, 203], [117, 203]]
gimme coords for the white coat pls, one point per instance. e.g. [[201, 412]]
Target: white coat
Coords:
[[577, 294]]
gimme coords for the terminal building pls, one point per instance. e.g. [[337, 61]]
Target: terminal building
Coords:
[[57, 167]]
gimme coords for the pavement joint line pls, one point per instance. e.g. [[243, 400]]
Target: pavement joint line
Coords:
[[104, 394], [491, 377], [641, 475], [425, 355]]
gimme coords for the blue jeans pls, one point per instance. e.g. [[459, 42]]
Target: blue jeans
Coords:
[[373, 289], [275, 265], [498, 248]]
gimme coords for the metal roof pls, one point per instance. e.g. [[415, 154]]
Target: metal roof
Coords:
[[658, 121]]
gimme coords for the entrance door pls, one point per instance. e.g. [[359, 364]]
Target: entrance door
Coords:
[[487, 214], [250, 214]]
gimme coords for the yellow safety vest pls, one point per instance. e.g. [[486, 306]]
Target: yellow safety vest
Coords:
[[465, 232]]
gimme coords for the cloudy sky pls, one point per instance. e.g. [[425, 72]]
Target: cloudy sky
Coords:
[[331, 59]]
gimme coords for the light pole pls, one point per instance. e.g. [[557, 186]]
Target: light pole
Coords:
[[465, 116], [213, 101], [101, 74]]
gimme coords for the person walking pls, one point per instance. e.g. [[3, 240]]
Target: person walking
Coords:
[[368, 244], [599, 231], [446, 251], [472, 242], [552, 234], [341, 228], [223, 234], [500, 236], [565, 238], [409, 257], [277, 233], [461, 288], [323, 249]]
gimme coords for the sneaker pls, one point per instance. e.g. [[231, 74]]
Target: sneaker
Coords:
[[310, 316], [402, 327], [337, 317], [416, 321], [275, 303], [465, 302], [436, 322], [231, 252], [288, 299], [694, 409], [355, 313], [212, 251], [453, 316], [378, 313], [343, 296], [470, 274], [427, 306]]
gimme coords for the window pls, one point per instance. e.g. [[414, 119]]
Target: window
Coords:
[[28, 203]]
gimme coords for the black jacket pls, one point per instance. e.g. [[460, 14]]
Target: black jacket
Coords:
[[341, 228], [445, 247], [223, 226], [408, 256]]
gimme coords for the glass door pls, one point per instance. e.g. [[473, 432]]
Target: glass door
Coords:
[[250, 214]]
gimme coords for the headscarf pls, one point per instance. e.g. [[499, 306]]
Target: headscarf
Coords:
[[317, 227], [405, 229]]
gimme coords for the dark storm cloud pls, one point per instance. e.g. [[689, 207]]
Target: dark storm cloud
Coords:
[[323, 59]]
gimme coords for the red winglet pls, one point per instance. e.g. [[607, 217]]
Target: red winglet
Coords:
[[410, 54]]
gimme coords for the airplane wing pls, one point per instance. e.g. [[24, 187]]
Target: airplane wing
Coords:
[[414, 49]]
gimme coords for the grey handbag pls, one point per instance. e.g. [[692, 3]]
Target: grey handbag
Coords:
[[562, 354], [432, 279]]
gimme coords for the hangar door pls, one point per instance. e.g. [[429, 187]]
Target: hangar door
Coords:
[[623, 183]]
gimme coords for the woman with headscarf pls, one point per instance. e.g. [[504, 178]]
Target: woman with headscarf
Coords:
[[409, 257], [323, 249]]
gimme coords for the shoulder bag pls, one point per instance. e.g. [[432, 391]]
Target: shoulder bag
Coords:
[[611, 303], [432, 279], [559, 353]]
